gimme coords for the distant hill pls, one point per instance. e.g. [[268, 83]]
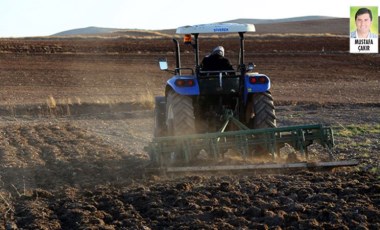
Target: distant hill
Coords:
[[86, 31], [99, 31], [295, 25], [281, 20], [335, 26]]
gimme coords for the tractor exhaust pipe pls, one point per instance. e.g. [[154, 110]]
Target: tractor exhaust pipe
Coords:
[[177, 58], [241, 56]]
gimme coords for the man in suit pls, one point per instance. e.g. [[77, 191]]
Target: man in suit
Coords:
[[363, 21]]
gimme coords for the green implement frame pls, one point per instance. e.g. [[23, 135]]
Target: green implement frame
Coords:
[[244, 142]]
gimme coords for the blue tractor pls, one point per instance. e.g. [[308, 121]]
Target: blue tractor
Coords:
[[196, 102], [214, 112]]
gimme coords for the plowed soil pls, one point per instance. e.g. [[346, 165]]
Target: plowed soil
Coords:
[[76, 113]]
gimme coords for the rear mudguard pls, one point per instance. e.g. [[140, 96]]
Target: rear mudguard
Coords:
[[194, 89], [184, 90], [251, 88]]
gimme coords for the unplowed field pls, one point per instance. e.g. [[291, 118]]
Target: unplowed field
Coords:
[[76, 113]]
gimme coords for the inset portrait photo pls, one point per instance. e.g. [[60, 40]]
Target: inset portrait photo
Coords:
[[364, 29]]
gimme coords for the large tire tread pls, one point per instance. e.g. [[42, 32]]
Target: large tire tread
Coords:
[[262, 106], [264, 110], [182, 121]]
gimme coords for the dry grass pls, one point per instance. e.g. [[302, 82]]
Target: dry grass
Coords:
[[357, 130], [51, 102], [146, 100]]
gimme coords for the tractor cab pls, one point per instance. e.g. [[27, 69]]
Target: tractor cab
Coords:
[[238, 81], [191, 37]]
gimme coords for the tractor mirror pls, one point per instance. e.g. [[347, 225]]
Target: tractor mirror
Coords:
[[163, 63], [251, 66]]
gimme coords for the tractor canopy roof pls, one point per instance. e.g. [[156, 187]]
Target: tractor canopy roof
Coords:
[[216, 28]]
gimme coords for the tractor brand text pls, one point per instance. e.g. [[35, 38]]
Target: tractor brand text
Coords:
[[221, 30]]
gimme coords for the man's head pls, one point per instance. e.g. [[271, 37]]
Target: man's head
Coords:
[[218, 50], [363, 20]]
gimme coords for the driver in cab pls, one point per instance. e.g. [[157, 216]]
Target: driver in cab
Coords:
[[216, 61]]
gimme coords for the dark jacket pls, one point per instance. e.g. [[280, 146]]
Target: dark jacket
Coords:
[[215, 62]]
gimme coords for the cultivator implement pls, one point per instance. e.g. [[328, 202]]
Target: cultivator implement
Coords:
[[193, 153]]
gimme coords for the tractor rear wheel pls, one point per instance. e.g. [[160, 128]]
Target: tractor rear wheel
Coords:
[[180, 120], [263, 111], [261, 114]]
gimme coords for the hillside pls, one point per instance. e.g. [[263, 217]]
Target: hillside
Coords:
[[296, 25], [86, 31], [281, 20]]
